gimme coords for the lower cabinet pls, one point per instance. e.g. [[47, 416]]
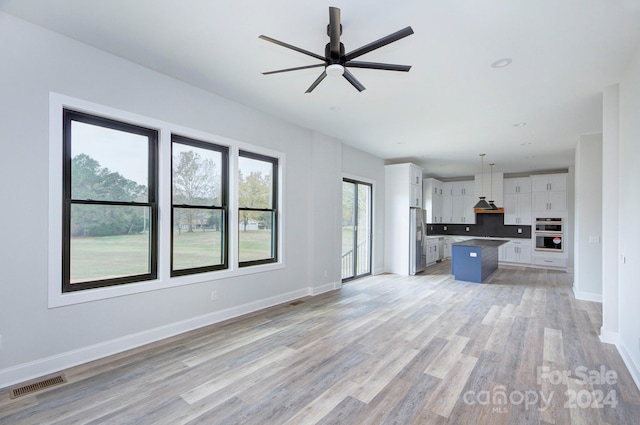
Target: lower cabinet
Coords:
[[516, 251], [433, 250], [550, 261]]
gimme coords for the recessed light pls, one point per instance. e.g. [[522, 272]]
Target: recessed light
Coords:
[[501, 63], [520, 124]]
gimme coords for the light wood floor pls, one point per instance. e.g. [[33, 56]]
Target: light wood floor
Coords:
[[382, 350]]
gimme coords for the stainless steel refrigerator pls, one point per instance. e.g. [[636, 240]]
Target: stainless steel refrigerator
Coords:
[[417, 238]]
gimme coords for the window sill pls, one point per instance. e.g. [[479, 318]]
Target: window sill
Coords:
[[59, 299]]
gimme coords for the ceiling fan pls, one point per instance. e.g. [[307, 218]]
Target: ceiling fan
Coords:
[[336, 61]]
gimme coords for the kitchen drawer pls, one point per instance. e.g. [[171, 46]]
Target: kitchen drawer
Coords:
[[550, 261]]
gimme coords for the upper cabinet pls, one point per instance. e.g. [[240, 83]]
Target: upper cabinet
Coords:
[[549, 182], [517, 200], [549, 192], [458, 199], [517, 185], [432, 200], [415, 173], [404, 184]]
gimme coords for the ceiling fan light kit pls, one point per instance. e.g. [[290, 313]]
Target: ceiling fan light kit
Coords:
[[335, 61], [334, 70]]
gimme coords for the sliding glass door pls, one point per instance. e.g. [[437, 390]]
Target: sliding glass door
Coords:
[[356, 229]]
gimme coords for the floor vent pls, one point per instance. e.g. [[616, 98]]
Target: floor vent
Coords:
[[297, 302], [37, 386]]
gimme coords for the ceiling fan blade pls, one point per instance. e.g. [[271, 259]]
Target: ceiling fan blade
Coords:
[[316, 82], [289, 46], [293, 69], [379, 43], [354, 82], [334, 33], [377, 65]]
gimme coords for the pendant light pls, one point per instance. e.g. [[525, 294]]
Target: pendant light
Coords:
[[482, 203], [492, 205]]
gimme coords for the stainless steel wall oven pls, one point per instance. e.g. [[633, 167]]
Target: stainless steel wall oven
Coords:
[[549, 234]]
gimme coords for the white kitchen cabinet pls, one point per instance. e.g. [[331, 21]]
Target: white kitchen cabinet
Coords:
[[433, 250], [549, 201], [447, 202], [415, 174], [432, 199], [458, 199], [416, 196], [462, 209], [549, 182], [517, 201], [447, 248], [462, 188], [549, 192], [401, 194], [517, 208], [550, 261], [516, 185], [516, 251]]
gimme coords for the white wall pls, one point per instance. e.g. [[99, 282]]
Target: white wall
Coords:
[[629, 208], [368, 168], [38, 340], [587, 283], [610, 215]]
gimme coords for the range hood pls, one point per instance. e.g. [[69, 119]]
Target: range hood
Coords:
[[493, 188]]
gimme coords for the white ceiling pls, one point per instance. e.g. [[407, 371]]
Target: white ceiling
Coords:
[[450, 107]]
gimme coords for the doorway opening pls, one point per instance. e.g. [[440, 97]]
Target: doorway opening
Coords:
[[356, 229]]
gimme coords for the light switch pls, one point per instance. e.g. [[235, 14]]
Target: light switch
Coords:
[[473, 254]]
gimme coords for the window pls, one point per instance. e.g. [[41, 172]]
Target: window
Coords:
[[199, 206], [138, 204], [257, 212], [109, 202]]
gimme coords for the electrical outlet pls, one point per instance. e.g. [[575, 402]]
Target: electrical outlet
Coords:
[[519, 230], [214, 295], [467, 229], [445, 227]]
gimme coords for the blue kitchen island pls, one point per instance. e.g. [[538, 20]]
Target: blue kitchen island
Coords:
[[474, 260]]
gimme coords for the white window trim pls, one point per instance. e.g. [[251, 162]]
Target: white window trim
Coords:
[[56, 298]]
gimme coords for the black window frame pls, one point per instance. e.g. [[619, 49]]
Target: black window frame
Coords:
[[70, 115], [224, 205], [274, 209]]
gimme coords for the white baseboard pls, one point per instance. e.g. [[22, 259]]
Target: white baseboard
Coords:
[[317, 290], [378, 271], [53, 364], [634, 370], [587, 296], [609, 337]]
